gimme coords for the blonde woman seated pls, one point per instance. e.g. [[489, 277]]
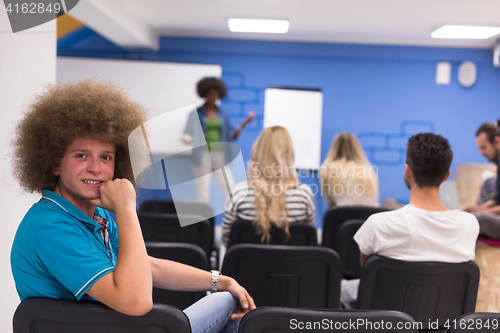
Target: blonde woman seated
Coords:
[[275, 197], [347, 177]]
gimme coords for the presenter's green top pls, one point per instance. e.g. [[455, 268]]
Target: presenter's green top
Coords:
[[213, 134]]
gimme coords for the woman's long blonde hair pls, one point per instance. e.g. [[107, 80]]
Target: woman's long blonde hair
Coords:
[[345, 162], [271, 169]]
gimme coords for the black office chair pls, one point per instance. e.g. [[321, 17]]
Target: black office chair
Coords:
[[163, 228], [243, 232], [167, 206], [283, 275], [427, 291], [285, 320], [336, 216], [475, 322], [349, 249], [185, 207], [188, 254], [45, 315]]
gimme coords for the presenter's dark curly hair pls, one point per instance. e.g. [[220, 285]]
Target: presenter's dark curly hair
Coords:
[[63, 113], [208, 83], [429, 156]]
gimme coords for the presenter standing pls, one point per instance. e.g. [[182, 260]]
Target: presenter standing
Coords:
[[216, 129]]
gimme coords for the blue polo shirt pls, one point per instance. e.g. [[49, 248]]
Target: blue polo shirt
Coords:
[[58, 251]]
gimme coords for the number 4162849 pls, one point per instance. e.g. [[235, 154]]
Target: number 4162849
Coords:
[[471, 324], [34, 8]]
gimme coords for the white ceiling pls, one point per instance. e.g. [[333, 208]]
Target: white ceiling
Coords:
[[138, 23]]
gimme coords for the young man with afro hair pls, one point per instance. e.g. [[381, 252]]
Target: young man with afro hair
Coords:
[[72, 147]]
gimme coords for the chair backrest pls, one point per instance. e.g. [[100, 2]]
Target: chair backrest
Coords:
[[475, 322], [243, 232], [427, 291], [157, 227], [167, 206], [285, 320], [335, 216], [45, 315], [349, 249], [188, 254], [284, 275]]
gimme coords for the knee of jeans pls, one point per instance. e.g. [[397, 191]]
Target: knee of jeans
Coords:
[[483, 218], [226, 298], [479, 215]]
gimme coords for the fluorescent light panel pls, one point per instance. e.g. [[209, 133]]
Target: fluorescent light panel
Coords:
[[258, 25], [465, 32]]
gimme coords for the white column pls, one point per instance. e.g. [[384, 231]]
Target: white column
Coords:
[[27, 64]]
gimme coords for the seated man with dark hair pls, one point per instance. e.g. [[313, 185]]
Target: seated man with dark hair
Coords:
[[72, 146], [423, 230], [488, 212]]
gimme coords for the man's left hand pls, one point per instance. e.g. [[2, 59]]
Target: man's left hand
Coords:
[[245, 301]]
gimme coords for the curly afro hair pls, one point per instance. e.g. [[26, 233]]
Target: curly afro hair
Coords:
[[208, 83], [65, 112]]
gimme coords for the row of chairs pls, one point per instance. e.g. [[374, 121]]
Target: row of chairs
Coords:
[[243, 232], [255, 268], [332, 221], [290, 276], [294, 277], [160, 223], [309, 277], [164, 228], [42, 315]]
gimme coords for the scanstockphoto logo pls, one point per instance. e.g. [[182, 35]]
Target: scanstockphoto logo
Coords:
[[24, 15]]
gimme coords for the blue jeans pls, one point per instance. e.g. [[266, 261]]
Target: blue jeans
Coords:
[[212, 314]]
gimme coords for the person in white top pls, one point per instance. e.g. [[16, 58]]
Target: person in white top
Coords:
[[424, 230]]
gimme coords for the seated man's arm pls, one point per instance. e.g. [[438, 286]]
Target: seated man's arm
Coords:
[[129, 288], [369, 238], [484, 207], [362, 258], [176, 276]]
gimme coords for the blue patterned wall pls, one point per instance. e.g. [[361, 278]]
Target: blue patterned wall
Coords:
[[386, 148], [383, 94]]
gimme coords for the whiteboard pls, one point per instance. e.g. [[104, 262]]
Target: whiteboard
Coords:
[[300, 112], [159, 86]]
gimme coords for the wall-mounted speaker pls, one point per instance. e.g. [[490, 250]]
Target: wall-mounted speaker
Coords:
[[467, 73]]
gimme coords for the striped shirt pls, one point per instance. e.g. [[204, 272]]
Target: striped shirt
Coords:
[[299, 203]]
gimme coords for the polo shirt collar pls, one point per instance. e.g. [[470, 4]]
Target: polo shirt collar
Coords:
[[71, 209]]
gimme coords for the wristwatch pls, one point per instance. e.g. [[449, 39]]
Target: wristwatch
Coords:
[[215, 279]]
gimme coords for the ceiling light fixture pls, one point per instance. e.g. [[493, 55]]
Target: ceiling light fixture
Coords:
[[258, 25], [465, 32]]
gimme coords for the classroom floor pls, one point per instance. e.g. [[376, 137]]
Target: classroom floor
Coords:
[[488, 260]]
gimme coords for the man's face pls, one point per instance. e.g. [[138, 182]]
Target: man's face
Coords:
[[86, 164], [486, 148]]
